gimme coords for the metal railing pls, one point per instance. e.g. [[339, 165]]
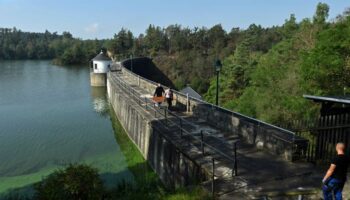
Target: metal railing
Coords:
[[243, 117], [261, 123], [179, 122]]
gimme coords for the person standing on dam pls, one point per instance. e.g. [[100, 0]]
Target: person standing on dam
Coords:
[[335, 178], [169, 97], [158, 95]]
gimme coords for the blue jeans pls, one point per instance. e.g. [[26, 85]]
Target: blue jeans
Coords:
[[333, 187]]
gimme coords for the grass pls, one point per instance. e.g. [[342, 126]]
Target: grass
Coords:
[[187, 194], [147, 183]]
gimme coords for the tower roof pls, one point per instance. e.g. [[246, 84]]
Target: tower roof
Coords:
[[100, 57], [191, 92]]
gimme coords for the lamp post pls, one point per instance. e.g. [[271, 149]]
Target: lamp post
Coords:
[[218, 66]]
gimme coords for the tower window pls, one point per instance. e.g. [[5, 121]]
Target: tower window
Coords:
[[95, 66]]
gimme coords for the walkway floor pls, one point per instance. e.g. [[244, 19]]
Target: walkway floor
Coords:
[[259, 173]]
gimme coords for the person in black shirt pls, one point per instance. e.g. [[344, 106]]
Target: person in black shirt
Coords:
[[335, 178], [159, 92]]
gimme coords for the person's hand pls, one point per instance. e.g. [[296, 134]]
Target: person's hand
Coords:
[[324, 180]]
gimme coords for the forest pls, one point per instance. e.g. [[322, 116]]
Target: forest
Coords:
[[63, 49], [266, 70]]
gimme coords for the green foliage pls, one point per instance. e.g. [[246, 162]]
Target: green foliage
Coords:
[[312, 58], [179, 83], [155, 40], [271, 90], [65, 49], [326, 68], [290, 27], [148, 185], [16, 194], [234, 76], [189, 194], [321, 14], [122, 43], [186, 55], [73, 182]]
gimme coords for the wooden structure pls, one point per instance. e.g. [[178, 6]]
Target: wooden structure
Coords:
[[331, 127]]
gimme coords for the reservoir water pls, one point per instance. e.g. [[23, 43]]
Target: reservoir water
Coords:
[[50, 117]]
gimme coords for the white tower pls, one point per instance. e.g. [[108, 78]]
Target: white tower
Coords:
[[101, 64]]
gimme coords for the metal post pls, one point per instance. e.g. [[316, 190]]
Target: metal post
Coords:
[[202, 140], [165, 115], [131, 63], [187, 103], [217, 88], [146, 103], [213, 178], [180, 127], [234, 171], [155, 111]]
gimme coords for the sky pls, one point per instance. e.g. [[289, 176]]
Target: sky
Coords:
[[90, 19]]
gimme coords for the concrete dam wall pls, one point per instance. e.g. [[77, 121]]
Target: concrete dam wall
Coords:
[[174, 167], [197, 143]]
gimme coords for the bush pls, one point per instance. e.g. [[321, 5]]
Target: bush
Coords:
[[74, 182]]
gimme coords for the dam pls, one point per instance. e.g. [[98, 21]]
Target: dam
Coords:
[[197, 143]]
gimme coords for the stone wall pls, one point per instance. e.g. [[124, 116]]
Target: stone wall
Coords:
[[145, 67], [265, 136], [98, 79], [173, 166]]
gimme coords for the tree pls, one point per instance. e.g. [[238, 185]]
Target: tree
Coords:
[[321, 14], [199, 40], [155, 40], [178, 38], [217, 38], [325, 68], [290, 27], [234, 75], [122, 43], [271, 68], [67, 35], [64, 49], [75, 182]]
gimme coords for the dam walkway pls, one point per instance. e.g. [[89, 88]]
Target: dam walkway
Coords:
[[237, 168]]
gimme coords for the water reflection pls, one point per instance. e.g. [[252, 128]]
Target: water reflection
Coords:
[[99, 100], [50, 116]]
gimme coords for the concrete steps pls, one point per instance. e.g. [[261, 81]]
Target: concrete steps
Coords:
[[238, 188]]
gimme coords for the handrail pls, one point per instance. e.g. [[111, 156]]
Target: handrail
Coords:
[[136, 95], [259, 122]]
